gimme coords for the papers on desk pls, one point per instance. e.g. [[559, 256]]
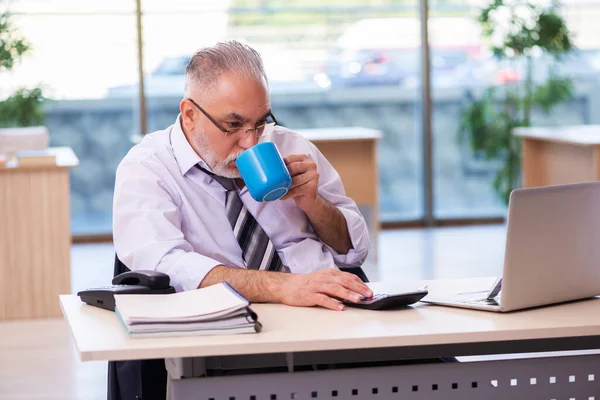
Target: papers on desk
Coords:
[[214, 310], [36, 158]]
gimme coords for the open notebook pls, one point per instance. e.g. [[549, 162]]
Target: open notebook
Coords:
[[214, 310]]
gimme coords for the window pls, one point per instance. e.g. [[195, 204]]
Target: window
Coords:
[[80, 50], [461, 67], [337, 65], [342, 63]]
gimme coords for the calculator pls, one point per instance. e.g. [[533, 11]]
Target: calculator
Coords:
[[388, 301]]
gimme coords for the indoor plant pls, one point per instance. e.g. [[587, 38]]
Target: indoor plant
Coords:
[[520, 34], [24, 107]]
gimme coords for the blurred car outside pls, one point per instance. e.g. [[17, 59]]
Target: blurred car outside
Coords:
[[284, 71], [387, 51]]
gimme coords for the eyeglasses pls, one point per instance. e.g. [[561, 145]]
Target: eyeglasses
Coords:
[[258, 130]]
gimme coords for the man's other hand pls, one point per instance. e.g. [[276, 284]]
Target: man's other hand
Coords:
[[305, 181], [326, 288]]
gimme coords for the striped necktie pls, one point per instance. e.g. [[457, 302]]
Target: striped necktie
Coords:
[[258, 251]]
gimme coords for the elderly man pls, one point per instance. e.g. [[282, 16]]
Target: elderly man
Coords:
[[181, 208], [170, 211]]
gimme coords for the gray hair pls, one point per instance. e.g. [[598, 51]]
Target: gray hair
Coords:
[[205, 67]]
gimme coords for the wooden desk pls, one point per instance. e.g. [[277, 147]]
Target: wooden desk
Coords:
[[295, 336], [99, 335], [353, 153], [35, 243], [560, 155]]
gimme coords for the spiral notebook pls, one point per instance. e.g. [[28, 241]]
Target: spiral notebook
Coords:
[[214, 310]]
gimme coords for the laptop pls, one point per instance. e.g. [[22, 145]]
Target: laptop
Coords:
[[552, 252]]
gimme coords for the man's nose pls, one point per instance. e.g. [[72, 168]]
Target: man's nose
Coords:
[[248, 141]]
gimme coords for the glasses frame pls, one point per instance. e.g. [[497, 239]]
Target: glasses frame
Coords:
[[226, 131]]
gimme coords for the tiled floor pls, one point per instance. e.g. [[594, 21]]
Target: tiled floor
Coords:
[[45, 366]]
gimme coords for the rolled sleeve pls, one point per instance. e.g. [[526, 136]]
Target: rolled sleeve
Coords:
[[147, 229], [359, 236]]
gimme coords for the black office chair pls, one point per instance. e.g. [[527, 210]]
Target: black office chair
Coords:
[[358, 271], [147, 379]]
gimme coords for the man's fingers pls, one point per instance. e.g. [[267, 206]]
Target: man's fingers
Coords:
[[340, 292], [354, 284], [295, 158], [300, 180], [325, 301], [299, 167]]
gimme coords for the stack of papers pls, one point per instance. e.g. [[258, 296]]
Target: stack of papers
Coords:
[[35, 158], [214, 310]]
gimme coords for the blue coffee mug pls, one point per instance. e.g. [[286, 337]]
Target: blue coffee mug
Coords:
[[264, 172]]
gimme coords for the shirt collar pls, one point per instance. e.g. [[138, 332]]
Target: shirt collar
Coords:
[[184, 153]]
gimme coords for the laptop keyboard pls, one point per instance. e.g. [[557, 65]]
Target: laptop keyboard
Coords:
[[484, 301]]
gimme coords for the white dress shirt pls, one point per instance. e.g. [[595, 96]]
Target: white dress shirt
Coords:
[[169, 216]]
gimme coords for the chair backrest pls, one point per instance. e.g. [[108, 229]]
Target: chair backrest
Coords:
[[358, 271], [119, 267]]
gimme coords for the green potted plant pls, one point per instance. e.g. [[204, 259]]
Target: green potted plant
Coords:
[[520, 35], [24, 107]]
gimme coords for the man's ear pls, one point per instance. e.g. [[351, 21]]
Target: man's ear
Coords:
[[187, 113]]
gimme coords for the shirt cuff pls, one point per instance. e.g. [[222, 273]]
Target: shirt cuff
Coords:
[[359, 236], [190, 270]]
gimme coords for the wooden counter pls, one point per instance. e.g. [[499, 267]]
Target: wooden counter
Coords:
[[560, 155], [35, 237]]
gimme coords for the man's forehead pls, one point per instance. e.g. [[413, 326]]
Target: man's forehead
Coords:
[[244, 109], [236, 115]]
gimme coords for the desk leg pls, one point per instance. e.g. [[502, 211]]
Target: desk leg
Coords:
[[535, 378]]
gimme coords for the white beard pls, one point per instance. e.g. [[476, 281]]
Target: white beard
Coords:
[[225, 167]]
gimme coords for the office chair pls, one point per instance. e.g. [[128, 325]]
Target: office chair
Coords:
[[358, 271], [147, 379]]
